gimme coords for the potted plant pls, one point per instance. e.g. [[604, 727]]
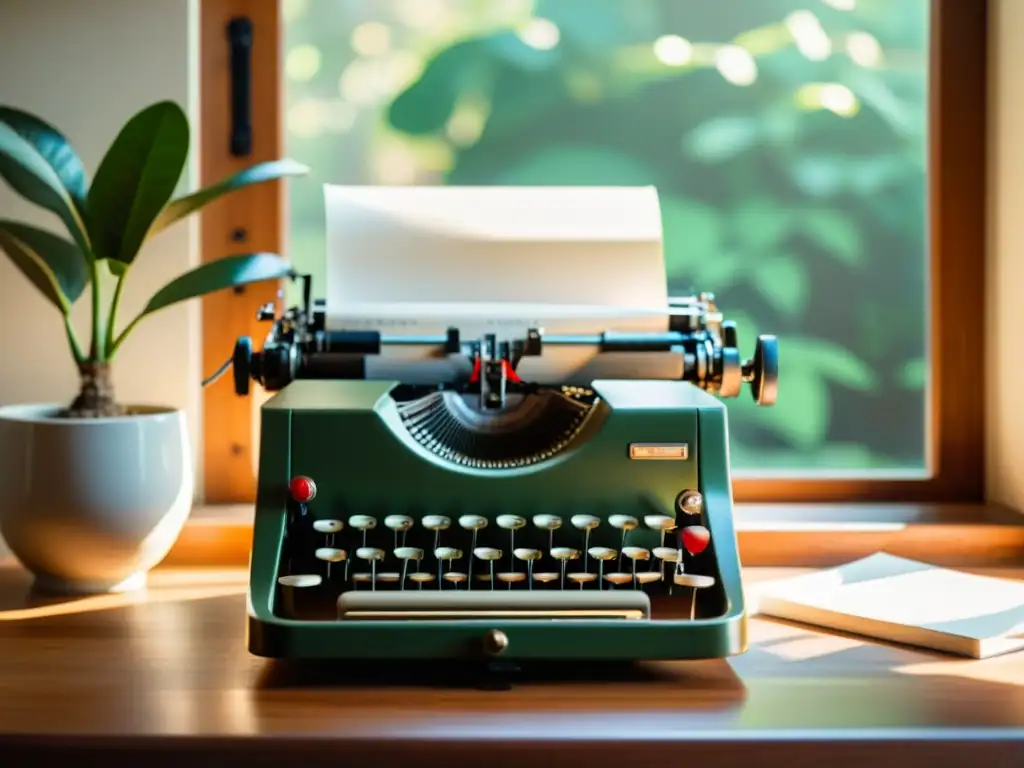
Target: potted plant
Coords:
[[93, 494]]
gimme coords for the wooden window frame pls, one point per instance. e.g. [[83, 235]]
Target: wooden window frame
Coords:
[[253, 220]]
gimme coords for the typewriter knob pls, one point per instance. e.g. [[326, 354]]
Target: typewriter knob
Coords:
[[302, 489], [763, 371], [730, 338], [241, 365]]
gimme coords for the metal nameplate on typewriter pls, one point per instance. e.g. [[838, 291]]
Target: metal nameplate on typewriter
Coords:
[[626, 605], [659, 451]]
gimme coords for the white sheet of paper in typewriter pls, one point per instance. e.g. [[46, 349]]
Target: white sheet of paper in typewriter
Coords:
[[569, 260]]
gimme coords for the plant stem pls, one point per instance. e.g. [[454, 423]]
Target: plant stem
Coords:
[[112, 317], [123, 335], [76, 348], [97, 349]]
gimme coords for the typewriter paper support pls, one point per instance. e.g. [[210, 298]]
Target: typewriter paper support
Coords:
[[473, 476]]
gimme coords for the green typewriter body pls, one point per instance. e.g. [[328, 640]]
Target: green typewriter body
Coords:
[[580, 522]]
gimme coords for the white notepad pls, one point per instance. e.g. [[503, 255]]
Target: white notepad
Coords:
[[904, 601]]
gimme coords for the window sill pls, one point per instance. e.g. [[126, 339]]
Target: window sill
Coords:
[[779, 535]]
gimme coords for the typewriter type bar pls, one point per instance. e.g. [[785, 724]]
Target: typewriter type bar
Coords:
[[394, 606]]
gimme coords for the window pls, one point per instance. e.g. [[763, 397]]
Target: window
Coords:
[[819, 162]]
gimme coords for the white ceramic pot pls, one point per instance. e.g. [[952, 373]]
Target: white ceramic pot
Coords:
[[92, 505]]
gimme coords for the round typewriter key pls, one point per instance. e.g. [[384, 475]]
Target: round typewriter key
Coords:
[[585, 523], [695, 581], [662, 524], [398, 524], [529, 555], [302, 489], [549, 523], [511, 523], [362, 578], [389, 577], [601, 554], [695, 538], [564, 554], [648, 577], [635, 554], [545, 577], [489, 555], [445, 555], [618, 579], [690, 502], [292, 587], [436, 523], [668, 554], [456, 578], [330, 555], [582, 578], [405, 554], [363, 523], [512, 577], [373, 555], [420, 578], [474, 523], [328, 527], [624, 523]]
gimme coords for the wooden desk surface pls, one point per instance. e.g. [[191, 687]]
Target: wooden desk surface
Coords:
[[132, 675]]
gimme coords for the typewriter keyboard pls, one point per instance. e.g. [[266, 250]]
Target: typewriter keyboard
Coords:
[[434, 566]]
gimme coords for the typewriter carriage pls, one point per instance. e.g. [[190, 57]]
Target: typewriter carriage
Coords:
[[594, 461]]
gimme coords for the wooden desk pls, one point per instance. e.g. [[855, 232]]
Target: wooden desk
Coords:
[[165, 679]]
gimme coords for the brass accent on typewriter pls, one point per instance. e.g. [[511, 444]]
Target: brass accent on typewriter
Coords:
[[504, 605]]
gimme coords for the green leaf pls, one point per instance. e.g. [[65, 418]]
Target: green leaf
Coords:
[[784, 283], [800, 415], [55, 266], [722, 138], [835, 233], [32, 177], [256, 174], [222, 273], [54, 148], [135, 180], [760, 223]]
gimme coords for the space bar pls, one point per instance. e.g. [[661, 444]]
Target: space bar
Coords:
[[417, 604]]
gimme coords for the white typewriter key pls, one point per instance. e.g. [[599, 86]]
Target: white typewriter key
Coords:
[[436, 523], [398, 524], [330, 555], [601, 554], [511, 523], [661, 523], [635, 554], [363, 523], [585, 523], [329, 527], [694, 581], [512, 578], [668, 554], [292, 586], [619, 579], [624, 523], [301, 580], [362, 578], [648, 577], [474, 523], [420, 578], [545, 578], [530, 556], [549, 523], [405, 554], [373, 555], [564, 555], [488, 555], [445, 555], [582, 578], [456, 578], [388, 578]]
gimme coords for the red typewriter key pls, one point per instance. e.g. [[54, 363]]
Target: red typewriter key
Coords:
[[302, 489], [695, 538]]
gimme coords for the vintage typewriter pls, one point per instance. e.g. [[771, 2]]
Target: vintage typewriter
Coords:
[[449, 505]]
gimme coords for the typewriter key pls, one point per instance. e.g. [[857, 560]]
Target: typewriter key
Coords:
[[582, 578], [564, 554], [648, 577], [420, 578], [405, 554], [488, 555], [398, 523], [545, 577], [512, 578], [694, 581], [329, 527], [456, 578], [474, 523], [662, 524], [363, 523], [635, 554], [601, 554], [292, 588], [530, 556], [372, 554], [445, 555], [585, 523], [511, 523], [388, 577], [618, 579], [330, 555], [362, 578], [549, 523], [436, 523], [625, 523]]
